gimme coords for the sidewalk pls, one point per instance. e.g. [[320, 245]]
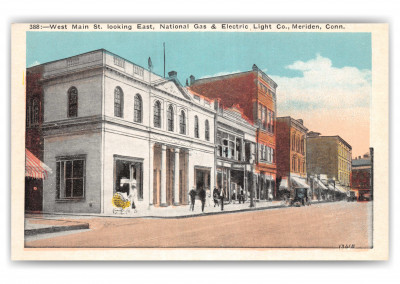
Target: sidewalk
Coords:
[[58, 222], [43, 225]]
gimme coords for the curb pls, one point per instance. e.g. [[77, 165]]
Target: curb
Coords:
[[182, 216], [55, 229], [223, 212]]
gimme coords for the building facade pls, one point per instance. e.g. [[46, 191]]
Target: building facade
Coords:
[[361, 176], [331, 156], [235, 152], [33, 134], [291, 158], [110, 125], [255, 93]]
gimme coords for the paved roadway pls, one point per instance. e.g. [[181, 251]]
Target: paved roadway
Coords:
[[320, 225]]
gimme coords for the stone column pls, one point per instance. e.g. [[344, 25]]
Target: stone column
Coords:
[[190, 171], [151, 172], [163, 192], [176, 177]]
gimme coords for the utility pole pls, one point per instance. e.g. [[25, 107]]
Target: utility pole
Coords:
[[164, 58]]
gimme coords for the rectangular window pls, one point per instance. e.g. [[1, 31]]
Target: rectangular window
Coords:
[[70, 180], [119, 62]]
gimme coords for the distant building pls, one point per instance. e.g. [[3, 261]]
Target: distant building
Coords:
[[291, 153], [255, 93], [331, 156], [361, 178]]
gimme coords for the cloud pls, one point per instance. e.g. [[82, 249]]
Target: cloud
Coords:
[[324, 86], [34, 63], [330, 100]]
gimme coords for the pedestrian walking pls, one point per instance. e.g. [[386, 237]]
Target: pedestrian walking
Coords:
[[208, 197], [221, 197], [192, 194], [202, 196], [270, 197], [241, 196], [216, 196], [133, 196]]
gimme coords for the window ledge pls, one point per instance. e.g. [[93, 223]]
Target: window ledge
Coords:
[[76, 199]]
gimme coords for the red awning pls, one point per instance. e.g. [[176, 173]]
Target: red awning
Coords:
[[35, 168]]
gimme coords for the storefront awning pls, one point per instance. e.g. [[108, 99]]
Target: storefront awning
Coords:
[[320, 184], [332, 188], [284, 184], [341, 189], [299, 182], [35, 168]]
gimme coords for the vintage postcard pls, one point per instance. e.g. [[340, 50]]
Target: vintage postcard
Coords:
[[208, 141]]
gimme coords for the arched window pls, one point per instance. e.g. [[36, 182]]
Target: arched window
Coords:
[[157, 114], [35, 112], [302, 145], [298, 144], [170, 117], [182, 123], [118, 102], [196, 127], [207, 130], [72, 102], [137, 116]]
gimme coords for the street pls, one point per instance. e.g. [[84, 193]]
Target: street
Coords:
[[325, 225]]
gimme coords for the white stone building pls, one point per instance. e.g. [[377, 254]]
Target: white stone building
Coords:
[[106, 127]]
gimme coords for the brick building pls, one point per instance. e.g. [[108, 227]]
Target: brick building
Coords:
[[255, 93], [331, 156], [361, 176], [33, 134], [291, 152]]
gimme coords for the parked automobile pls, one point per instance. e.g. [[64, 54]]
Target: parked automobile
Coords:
[[300, 197]]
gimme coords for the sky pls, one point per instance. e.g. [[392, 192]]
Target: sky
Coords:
[[323, 78]]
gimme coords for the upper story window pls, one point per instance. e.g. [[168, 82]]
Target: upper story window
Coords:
[[207, 130], [28, 114], [138, 109], [157, 114], [35, 112], [118, 102], [298, 144], [294, 164], [72, 102], [196, 126], [302, 145], [170, 117], [182, 123], [293, 142]]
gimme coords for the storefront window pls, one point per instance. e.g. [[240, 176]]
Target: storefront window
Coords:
[[70, 181], [128, 174]]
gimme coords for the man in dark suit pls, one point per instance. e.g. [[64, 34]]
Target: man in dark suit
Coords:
[[202, 196], [192, 194], [222, 196], [216, 196]]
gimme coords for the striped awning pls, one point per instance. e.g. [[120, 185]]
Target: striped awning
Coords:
[[35, 168]]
